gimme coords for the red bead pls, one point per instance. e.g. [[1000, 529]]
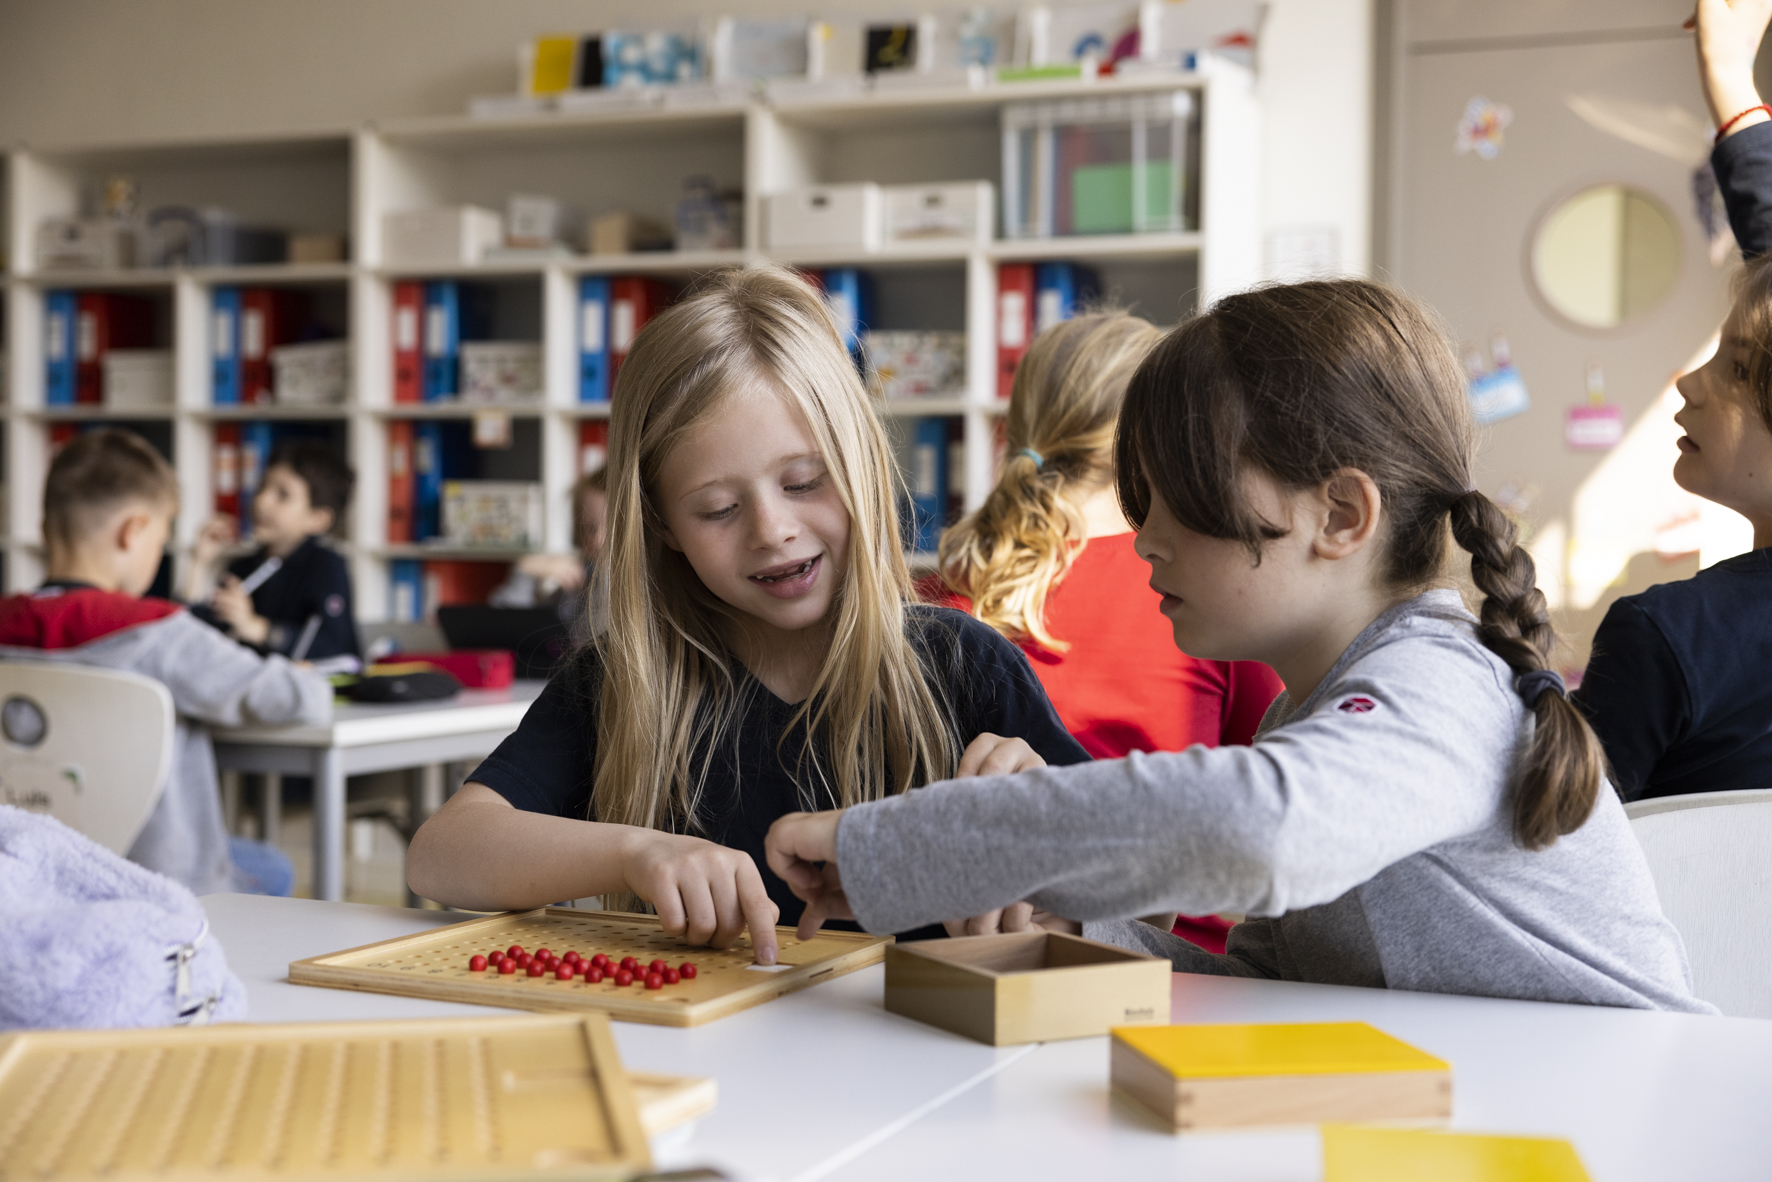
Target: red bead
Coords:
[[572, 958], [671, 976], [657, 966], [629, 963], [535, 968], [476, 964], [506, 967], [687, 968], [523, 959], [654, 981], [563, 973], [595, 976], [544, 952], [514, 950], [623, 977], [600, 961]]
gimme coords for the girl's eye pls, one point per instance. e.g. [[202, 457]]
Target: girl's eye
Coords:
[[1738, 371], [806, 486], [720, 514]]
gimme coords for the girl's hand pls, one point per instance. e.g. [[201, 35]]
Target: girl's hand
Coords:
[[234, 607], [1729, 33], [802, 849], [218, 532], [704, 893], [993, 755]]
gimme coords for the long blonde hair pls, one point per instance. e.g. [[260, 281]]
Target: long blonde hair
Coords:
[[671, 685], [1007, 556]]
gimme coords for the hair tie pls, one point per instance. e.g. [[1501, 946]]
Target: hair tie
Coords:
[[1038, 459], [1536, 681]]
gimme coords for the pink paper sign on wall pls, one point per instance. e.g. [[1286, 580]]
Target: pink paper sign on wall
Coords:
[[1594, 428]]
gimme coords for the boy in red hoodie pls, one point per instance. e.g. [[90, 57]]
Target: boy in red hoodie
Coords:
[[108, 507]]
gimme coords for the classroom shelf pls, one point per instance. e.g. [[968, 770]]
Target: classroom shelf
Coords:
[[632, 158]]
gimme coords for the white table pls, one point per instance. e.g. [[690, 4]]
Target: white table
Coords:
[[371, 738], [826, 1084]]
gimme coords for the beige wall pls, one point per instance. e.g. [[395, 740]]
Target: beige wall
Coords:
[[109, 71]]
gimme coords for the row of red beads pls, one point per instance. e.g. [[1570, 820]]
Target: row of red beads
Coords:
[[594, 969]]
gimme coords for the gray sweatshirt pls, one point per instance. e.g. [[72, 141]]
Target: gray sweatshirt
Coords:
[[215, 681], [1367, 830]]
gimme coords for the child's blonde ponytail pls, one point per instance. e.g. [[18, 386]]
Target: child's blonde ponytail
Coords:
[[1007, 556]]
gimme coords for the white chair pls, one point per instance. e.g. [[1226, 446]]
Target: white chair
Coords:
[[1711, 855], [90, 747]]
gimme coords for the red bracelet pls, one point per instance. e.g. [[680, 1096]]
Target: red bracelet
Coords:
[[1724, 130]]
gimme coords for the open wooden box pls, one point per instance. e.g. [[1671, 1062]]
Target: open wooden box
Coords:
[[1025, 987]]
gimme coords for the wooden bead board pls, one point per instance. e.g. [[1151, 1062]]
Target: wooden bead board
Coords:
[[532, 1096], [434, 965]]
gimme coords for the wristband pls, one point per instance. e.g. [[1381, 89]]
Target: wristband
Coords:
[[1724, 130]]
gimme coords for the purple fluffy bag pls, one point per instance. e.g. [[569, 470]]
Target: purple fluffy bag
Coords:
[[93, 940]]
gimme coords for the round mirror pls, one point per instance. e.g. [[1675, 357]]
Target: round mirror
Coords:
[[1605, 255]]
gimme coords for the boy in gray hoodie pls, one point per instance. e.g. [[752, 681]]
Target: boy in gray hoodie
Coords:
[[109, 503]]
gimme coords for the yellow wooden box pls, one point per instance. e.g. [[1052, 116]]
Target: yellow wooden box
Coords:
[[1025, 986], [1198, 1077], [520, 1097]]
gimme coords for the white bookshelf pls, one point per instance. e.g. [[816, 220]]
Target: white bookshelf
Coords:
[[629, 159]]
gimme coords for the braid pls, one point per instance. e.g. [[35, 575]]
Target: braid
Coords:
[[1560, 775]]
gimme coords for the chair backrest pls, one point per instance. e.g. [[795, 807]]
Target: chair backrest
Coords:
[[1711, 855], [90, 747]]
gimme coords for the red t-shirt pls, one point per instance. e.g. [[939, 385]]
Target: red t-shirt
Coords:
[[1123, 686]]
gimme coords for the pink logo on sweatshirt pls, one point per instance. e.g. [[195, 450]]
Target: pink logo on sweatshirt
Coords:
[[1357, 706]]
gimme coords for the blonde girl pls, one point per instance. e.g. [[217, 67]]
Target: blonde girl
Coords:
[[762, 655], [1424, 808]]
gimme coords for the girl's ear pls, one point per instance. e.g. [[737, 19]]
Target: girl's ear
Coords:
[[1349, 503]]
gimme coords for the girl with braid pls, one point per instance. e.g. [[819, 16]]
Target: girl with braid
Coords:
[[1422, 809]]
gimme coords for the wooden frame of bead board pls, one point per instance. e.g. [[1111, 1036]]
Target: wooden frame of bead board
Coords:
[[385, 1101], [712, 995], [1026, 987]]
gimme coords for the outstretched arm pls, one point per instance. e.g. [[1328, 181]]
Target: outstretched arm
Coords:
[[1729, 33]]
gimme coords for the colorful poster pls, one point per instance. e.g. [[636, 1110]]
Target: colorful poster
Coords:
[[1481, 127]]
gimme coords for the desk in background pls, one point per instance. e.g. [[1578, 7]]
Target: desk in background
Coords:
[[371, 738], [825, 1084]]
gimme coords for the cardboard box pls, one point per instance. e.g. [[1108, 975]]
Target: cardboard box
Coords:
[[450, 236], [501, 514], [84, 244], [625, 233], [1025, 987], [500, 371], [317, 373], [316, 248], [138, 379], [825, 217], [958, 213]]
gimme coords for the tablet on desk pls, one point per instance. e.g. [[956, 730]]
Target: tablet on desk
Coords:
[[534, 634]]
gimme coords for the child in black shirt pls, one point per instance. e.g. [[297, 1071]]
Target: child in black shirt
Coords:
[[1677, 688], [763, 651], [293, 594]]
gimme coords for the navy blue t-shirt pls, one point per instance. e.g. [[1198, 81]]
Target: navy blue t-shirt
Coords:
[[548, 764], [1679, 687]]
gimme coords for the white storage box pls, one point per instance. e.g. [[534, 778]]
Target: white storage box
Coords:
[[916, 364], [1118, 165], [500, 371], [953, 214], [450, 236], [493, 513], [315, 374], [825, 217], [138, 379]]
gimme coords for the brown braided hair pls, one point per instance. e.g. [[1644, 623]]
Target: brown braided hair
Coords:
[[1302, 380]]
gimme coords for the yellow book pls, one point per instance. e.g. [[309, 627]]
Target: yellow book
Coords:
[[549, 63], [1226, 1076], [1352, 1154]]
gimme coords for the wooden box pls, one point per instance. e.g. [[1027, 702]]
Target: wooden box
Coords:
[[434, 964], [1025, 987], [515, 1097], [1206, 1077]]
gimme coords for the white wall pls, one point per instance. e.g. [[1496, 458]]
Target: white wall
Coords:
[[119, 71]]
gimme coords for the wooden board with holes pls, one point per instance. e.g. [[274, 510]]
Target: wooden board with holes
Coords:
[[434, 964], [535, 1095]]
